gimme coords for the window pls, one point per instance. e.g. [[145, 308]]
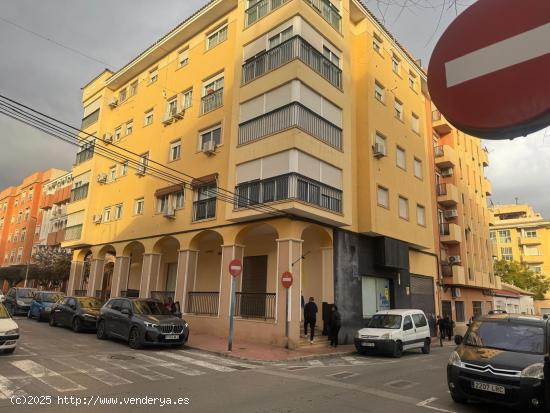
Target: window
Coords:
[[187, 98], [401, 158], [118, 211], [162, 203], [129, 127], [107, 214], [531, 250], [148, 119], [419, 320], [418, 168], [507, 253], [330, 55], [383, 197], [493, 235], [379, 91], [460, 314], [280, 37], [477, 308], [123, 168], [380, 139], [31, 190], [421, 215], [216, 38], [175, 150], [178, 199], [144, 161], [23, 196], [23, 234], [139, 205], [412, 81], [530, 233], [537, 269], [398, 109], [15, 236], [210, 135], [377, 43], [27, 213], [122, 95], [395, 63], [212, 86], [133, 88], [16, 203], [112, 173], [183, 57], [415, 122], [118, 134], [504, 236], [173, 106], [403, 208], [153, 75]]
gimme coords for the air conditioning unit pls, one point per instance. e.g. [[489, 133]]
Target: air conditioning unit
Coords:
[[113, 102], [102, 178], [454, 259], [108, 138], [97, 219], [167, 118], [209, 147], [451, 214], [447, 172], [455, 292], [180, 113], [379, 150], [169, 213]]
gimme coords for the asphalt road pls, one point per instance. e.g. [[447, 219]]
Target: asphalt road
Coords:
[[53, 364]]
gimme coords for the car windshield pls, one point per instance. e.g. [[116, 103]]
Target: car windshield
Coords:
[[385, 321], [149, 308], [3, 312], [51, 297], [90, 303], [507, 336], [24, 293]]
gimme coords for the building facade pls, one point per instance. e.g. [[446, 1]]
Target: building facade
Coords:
[[514, 300], [288, 134]]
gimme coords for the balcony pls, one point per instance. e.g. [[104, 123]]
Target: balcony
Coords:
[[445, 156], [440, 124], [327, 10], [487, 187], [293, 48], [204, 209], [73, 233], [447, 194], [450, 234], [212, 101], [530, 240], [293, 115], [79, 193], [291, 186], [85, 154], [484, 157], [261, 9], [55, 238], [255, 305], [532, 259], [453, 274], [202, 303]]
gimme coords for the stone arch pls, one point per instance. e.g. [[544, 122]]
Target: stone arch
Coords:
[[165, 281], [134, 250], [106, 250]]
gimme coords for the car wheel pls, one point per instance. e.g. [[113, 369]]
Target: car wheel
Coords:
[[133, 340], [100, 332], [426, 348], [52, 320], [77, 325], [458, 399], [9, 350], [398, 350]]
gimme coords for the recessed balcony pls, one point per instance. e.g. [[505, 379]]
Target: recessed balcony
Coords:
[[453, 274], [445, 156], [487, 187], [532, 259], [450, 233], [447, 194], [260, 9], [484, 157], [440, 124], [530, 241], [328, 11]]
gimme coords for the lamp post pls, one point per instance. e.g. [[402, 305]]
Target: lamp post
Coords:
[[29, 260]]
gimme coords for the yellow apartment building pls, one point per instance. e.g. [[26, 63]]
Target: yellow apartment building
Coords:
[[521, 234], [290, 134], [463, 217]]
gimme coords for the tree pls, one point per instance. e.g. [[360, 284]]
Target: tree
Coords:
[[13, 275], [51, 266], [518, 274]]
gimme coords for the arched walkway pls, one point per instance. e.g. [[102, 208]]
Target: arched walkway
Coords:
[[165, 285], [130, 286]]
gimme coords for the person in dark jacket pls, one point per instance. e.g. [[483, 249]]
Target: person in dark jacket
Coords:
[[335, 324], [310, 317]]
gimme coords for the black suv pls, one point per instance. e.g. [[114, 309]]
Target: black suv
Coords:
[[18, 300], [141, 321], [79, 313], [501, 360]]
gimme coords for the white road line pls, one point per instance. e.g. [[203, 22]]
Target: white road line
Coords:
[[140, 371], [426, 403], [200, 363], [316, 363], [8, 388], [221, 360], [97, 373], [168, 365], [47, 376], [501, 55], [354, 361], [25, 350]]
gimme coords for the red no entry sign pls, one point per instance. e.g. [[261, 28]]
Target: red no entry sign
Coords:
[[286, 279], [489, 74], [235, 267]]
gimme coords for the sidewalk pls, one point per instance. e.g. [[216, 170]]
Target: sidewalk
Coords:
[[245, 350]]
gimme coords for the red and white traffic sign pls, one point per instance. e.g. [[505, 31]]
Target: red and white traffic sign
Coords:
[[287, 279], [235, 267], [489, 74]]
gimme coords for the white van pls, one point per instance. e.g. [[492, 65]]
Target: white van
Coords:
[[393, 331], [9, 331]]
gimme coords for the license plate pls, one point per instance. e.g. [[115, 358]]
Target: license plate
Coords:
[[172, 337], [367, 344], [493, 388]]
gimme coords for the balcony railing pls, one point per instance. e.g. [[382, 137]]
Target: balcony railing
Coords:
[[441, 189], [444, 229], [255, 305], [288, 187], [204, 209], [439, 151], [202, 303], [103, 295], [130, 293], [84, 154], [329, 12], [293, 115], [79, 193], [260, 9], [80, 293], [293, 48], [163, 295], [211, 101], [73, 233]]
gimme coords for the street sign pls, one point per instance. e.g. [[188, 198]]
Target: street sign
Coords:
[[235, 267], [489, 74], [286, 279]]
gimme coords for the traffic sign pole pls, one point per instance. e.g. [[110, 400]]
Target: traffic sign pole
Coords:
[[286, 281], [235, 269]]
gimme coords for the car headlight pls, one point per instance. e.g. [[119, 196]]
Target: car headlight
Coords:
[[90, 316], [454, 360], [12, 332], [19, 302], [186, 325], [534, 371], [151, 325], [385, 336]]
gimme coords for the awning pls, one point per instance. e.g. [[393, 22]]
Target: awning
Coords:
[[205, 180], [169, 190]]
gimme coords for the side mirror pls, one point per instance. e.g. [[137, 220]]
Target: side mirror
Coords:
[[126, 311], [459, 340]]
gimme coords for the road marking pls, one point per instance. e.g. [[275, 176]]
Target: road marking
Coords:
[[9, 389], [355, 361], [97, 373], [200, 363], [47, 376], [168, 365], [501, 55], [343, 375], [132, 368], [316, 363], [25, 350], [221, 360], [426, 403]]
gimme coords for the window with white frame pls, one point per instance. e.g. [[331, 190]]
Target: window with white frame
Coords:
[[420, 215], [139, 206], [118, 134], [123, 170], [379, 91], [412, 81], [175, 150], [530, 233], [398, 109], [214, 134], [415, 122], [217, 37], [330, 55], [118, 211], [418, 168], [112, 173], [129, 127], [23, 234], [183, 57], [187, 98], [403, 207], [173, 106], [395, 63], [15, 236], [213, 85], [163, 204], [178, 199], [27, 214], [383, 197], [504, 236], [401, 158], [281, 37], [143, 162], [531, 250], [133, 88], [148, 118], [506, 253], [153, 75], [380, 140], [107, 214], [377, 43], [122, 95]]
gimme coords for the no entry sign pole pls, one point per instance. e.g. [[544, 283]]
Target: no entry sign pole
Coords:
[[286, 280], [235, 269]]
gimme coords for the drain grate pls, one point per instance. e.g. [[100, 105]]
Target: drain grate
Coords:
[[121, 357], [401, 384]]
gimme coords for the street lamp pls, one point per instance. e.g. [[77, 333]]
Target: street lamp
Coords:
[[29, 260]]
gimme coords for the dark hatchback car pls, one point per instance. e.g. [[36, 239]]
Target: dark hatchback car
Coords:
[[79, 313], [140, 322], [18, 300], [501, 360]]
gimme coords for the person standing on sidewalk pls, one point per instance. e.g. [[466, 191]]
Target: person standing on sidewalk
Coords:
[[335, 324], [440, 325], [310, 317]]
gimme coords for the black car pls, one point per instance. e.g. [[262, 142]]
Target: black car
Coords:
[[501, 360], [79, 313], [18, 300], [141, 321]]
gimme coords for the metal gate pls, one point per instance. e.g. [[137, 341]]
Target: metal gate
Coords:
[[423, 298]]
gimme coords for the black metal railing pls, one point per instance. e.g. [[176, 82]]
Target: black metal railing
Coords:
[[85, 154], [80, 293], [73, 233], [293, 48], [288, 186], [211, 101], [329, 12], [204, 209], [441, 189], [255, 305], [260, 9], [103, 295], [130, 293], [163, 295], [202, 303], [292, 115], [444, 229], [79, 193]]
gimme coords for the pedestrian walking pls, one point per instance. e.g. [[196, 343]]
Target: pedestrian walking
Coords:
[[441, 328], [449, 326], [335, 324], [310, 317]]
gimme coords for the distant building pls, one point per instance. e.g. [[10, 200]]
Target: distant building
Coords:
[[514, 300]]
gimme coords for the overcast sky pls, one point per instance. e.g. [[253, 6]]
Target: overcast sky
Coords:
[[48, 77]]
